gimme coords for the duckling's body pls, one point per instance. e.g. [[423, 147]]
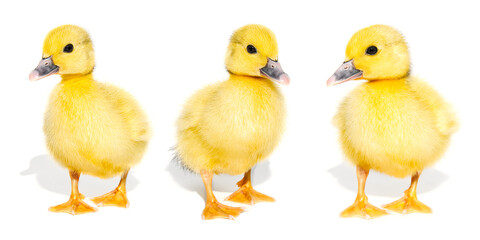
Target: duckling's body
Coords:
[[389, 126], [95, 128], [394, 123], [231, 126], [90, 127]]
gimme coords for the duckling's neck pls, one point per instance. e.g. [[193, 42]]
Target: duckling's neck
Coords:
[[400, 77], [393, 83], [71, 78], [250, 80]]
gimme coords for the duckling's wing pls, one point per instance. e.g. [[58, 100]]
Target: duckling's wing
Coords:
[[195, 107], [190, 148], [446, 120], [129, 110]]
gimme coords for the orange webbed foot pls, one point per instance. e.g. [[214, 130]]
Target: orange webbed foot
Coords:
[[247, 195], [215, 210], [408, 204], [363, 209], [74, 206], [117, 198]]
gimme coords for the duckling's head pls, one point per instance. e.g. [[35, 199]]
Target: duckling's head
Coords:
[[374, 53], [253, 52], [66, 50]]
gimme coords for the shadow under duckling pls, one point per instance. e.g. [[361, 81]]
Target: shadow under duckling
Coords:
[[90, 127], [394, 123], [228, 127]]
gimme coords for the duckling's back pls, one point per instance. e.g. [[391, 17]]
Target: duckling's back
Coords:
[[387, 126], [95, 128]]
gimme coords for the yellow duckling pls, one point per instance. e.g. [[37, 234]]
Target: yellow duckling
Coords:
[[394, 123], [230, 126], [90, 127]]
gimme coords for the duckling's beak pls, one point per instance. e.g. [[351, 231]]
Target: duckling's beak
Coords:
[[273, 71], [44, 69], [345, 72]]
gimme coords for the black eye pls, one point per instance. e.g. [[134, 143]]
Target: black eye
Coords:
[[251, 49], [68, 48], [372, 50]]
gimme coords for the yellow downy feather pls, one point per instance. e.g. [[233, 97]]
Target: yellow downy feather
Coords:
[[388, 126], [394, 123], [230, 126], [90, 127]]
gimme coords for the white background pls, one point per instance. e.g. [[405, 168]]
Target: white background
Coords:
[[163, 51]]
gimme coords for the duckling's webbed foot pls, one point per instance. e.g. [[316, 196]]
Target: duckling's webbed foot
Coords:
[[409, 202], [75, 205], [117, 197], [246, 194], [213, 209], [361, 207]]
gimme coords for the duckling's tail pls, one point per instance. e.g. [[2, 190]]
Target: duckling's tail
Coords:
[[446, 120], [143, 136], [177, 160]]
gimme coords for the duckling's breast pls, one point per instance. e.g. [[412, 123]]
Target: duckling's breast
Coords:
[[243, 122], [84, 133], [384, 127]]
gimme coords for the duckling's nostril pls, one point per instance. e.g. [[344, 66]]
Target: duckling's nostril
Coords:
[[46, 64], [346, 67]]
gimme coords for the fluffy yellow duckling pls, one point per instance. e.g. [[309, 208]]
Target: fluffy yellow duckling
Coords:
[[230, 126], [394, 123], [90, 127]]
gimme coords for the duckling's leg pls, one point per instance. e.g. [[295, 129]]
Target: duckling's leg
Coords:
[[213, 209], [117, 197], [409, 202], [75, 205], [361, 207], [246, 194]]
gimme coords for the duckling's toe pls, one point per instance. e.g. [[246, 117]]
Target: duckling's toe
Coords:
[[73, 206], [363, 209], [117, 198], [408, 204], [215, 210], [247, 195]]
